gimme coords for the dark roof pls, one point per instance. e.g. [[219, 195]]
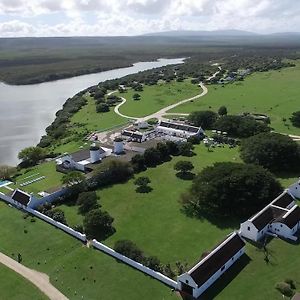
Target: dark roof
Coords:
[[292, 218], [267, 216], [178, 126], [133, 134], [21, 197], [81, 155], [284, 200], [214, 262]]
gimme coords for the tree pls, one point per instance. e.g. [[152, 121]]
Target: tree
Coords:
[[164, 151], [142, 183], [152, 157], [73, 178], [6, 172], [240, 126], [222, 111], [129, 249], [186, 149], [205, 119], [102, 107], [87, 201], [295, 119], [184, 169], [273, 151], [32, 155], [98, 224], [138, 163], [136, 97], [231, 189]]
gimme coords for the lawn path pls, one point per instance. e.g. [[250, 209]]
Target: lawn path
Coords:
[[40, 280]]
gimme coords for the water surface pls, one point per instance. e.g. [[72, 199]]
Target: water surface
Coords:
[[26, 110]]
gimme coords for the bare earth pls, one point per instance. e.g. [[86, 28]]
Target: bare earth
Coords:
[[40, 280]]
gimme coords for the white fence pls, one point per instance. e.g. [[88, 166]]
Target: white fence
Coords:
[[135, 264], [59, 225]]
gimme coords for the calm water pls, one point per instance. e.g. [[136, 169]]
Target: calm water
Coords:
[[25, 111]]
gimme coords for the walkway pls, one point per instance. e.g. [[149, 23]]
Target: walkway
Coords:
[[40, 280]]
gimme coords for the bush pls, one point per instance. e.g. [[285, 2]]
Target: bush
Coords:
[[152, 157], [102, 107], [273, 151], [231, 189], [284, 289], [295, 119], [130, 250], [222, 111]]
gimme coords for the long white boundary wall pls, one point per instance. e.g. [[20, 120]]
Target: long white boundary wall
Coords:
[[135, 264]]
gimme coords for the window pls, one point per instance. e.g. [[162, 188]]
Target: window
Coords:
[[186, 281], [280, 225], [248, 228]]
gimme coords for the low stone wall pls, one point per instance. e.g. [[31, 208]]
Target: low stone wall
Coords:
[[166, 280]]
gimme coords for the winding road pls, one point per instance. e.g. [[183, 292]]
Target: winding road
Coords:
[[159, 114], [40, 280]]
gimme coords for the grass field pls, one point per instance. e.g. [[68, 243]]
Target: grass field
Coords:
[[156, 97], [52, 180], [14, 286], [73, 268], [274, 93]]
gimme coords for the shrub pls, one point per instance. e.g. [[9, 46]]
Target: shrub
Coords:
[[205, 119], [284, 289], [295, 119]]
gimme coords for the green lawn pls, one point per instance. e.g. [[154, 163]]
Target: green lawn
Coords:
[[93, 121], [156, 97], [52, 180], [73, 268], [14, 286], [275, 93]]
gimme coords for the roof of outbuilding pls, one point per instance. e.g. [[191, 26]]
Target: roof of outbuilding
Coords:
[[292, 218], [284, 200], [83, 155], [179, 126], [266, 216], [216, 259], [21, 197]]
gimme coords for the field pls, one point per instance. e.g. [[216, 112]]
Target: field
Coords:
[[14, 286], [52, 180], [73, 268], [275, 93], [156, 97]]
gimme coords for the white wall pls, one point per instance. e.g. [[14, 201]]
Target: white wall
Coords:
[[294, 189], [168, 281], [251, 234], [283, 230]]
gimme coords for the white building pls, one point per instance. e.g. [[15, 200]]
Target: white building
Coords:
[[20, 198], [178, 130], [134, 136], [281, 217], [83, 159], [197, 280], [294, 189]]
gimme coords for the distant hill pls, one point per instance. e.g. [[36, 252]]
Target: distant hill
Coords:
[[214, 33]]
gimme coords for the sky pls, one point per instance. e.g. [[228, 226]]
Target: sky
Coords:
[[134, 17]]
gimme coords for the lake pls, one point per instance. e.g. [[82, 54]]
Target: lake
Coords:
[[26, 110]]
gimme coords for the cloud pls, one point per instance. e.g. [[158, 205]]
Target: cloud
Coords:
[[130, 17]]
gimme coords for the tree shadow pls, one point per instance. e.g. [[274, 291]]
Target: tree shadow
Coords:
[[144, 189], [185, 175]]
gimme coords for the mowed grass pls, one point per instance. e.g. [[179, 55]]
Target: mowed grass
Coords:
[[275, 93], [93, 121], [14, 286], [77, 271], [52, 178], [155, 221], [156, 97]]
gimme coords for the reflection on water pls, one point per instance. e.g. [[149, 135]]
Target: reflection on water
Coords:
[[25, 111]]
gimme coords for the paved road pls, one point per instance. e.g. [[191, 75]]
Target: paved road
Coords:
[[40, 280]]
